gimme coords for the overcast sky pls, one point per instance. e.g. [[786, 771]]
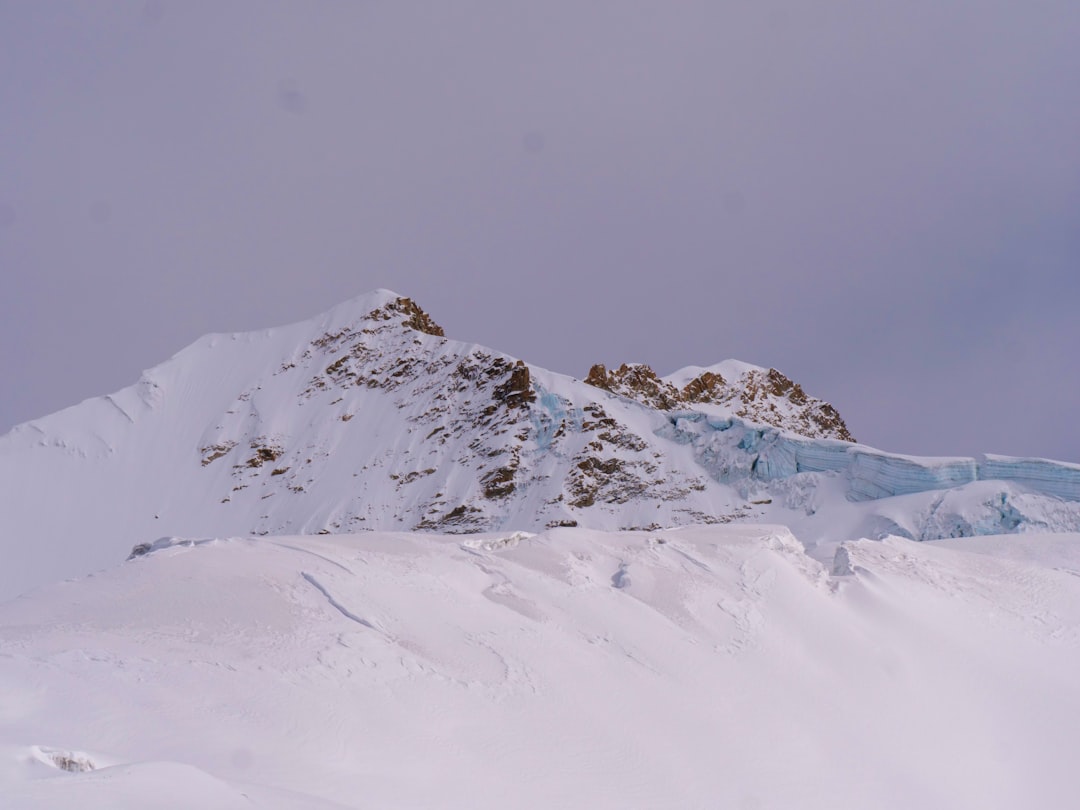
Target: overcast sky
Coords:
[[881, 199]]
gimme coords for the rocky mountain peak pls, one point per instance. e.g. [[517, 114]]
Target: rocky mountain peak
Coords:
[[410, 315]]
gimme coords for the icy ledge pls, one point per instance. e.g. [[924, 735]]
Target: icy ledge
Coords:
[[730, 450]]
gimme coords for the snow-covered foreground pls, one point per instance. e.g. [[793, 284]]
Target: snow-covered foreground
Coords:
[[714, 667]]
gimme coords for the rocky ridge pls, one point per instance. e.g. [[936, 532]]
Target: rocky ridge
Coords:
[[758, 395]]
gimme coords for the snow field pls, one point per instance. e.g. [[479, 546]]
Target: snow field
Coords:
[[698, 668]]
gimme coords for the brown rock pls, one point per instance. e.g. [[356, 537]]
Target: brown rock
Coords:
[[516, 391], [703, 388], [415, 318], [635, 381], [598, 377]]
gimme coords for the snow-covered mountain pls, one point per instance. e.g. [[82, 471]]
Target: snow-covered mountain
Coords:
[[368, 418], [475, 631]]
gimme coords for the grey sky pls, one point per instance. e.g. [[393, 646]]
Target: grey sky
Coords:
[[882, 199]]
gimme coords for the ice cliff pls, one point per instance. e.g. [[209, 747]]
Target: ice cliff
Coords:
[[732, 449]]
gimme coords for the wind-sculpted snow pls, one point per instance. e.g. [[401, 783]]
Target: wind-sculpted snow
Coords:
[[710, 667]]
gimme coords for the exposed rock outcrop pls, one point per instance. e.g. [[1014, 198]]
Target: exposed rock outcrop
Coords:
[[516, 391], [635, 381], [707, 387], [415, 318]]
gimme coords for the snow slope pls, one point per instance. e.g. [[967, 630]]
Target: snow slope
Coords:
[[367, 417], [696, 668]]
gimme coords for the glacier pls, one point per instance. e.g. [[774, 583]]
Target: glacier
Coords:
[[730, 448]]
